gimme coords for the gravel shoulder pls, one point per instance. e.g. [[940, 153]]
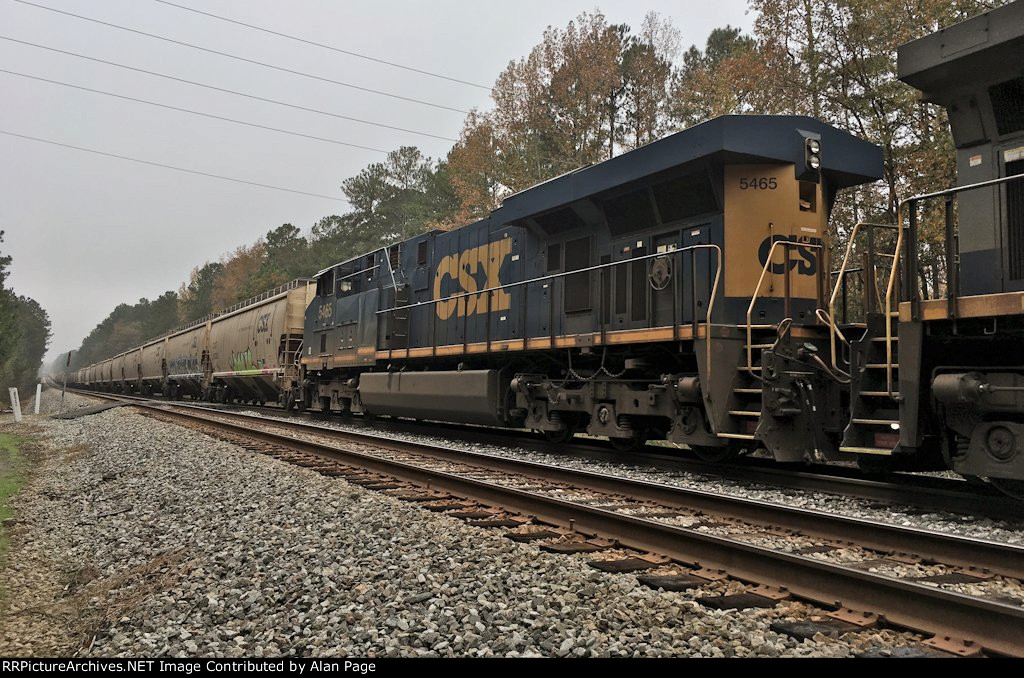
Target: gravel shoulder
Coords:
[[137, 537]]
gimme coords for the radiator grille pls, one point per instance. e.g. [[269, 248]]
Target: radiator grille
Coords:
[[1008, 105]]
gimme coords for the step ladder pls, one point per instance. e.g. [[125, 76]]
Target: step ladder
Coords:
[[400, 318], [745, 400], [874, 389]]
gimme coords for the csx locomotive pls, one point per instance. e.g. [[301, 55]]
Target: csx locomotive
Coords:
[[684, 292]]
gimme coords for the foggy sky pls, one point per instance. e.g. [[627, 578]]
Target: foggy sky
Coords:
[[89, 232]]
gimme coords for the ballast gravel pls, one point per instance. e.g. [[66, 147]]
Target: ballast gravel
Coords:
[[137, 537]]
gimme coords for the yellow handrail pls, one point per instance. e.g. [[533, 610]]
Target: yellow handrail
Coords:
[[711, 303], [833, 330], [890, 288], [757, 291]]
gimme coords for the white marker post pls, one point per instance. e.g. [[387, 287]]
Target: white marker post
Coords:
[[15, 404], [39, 393]]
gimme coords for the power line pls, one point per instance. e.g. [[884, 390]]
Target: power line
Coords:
[[320, 44], [245, 59], [188, 110], [172, 167], [225, 90]]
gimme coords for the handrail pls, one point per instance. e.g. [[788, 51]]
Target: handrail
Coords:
[[833, 330], [553, 276], [760, 281]]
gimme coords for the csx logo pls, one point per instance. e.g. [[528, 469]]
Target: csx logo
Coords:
[[469, 271], [803, 259], [263, 323]]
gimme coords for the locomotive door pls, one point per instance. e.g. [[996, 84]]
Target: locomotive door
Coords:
[[695, 271], [663, 280]]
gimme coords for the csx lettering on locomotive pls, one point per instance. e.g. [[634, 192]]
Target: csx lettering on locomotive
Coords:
[[804, 260], [469, 271]]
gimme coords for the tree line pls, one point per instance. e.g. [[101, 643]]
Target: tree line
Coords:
[[24, 335], [593, 90]]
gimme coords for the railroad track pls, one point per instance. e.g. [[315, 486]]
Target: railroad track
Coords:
[[926, 493], [679, 536]]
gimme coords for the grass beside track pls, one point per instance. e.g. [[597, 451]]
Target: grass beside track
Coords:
[[12, 477]]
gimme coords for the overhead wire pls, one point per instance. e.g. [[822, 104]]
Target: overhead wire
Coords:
[[322, 45], [241, 58], [193, 112], [171, 167], [224, 89]]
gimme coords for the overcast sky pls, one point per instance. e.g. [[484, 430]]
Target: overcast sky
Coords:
[[89, 232]]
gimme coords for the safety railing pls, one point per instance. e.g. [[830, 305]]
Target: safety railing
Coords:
[[455, 299], [869, 283], [787, 246]]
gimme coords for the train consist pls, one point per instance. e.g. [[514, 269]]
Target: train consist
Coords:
[[682, 291], [249, 352]]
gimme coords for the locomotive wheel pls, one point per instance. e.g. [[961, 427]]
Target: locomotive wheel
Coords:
[[634, 444], [1009, 486], [559, 437], [715, 455]]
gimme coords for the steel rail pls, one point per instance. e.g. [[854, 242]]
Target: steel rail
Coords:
[[925, 492], [996, 626], [1000, 557]]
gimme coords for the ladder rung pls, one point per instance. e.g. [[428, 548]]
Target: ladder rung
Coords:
[[744, 413], [737, 436], [755, 368], [761, 345], [894, 338], [880, 394], [747, 391], [881, 366], [866, 450], [877, 422]]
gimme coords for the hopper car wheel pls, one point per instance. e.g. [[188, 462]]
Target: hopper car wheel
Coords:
[[715, 455]]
